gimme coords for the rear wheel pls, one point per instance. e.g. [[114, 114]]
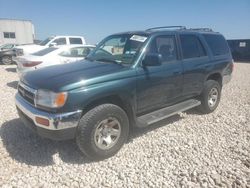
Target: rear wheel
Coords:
[[7, 60], [210, 96], [102, 131]]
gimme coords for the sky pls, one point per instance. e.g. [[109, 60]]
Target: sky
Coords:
[[95, 19]]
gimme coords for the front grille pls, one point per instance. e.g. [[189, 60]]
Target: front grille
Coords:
[[27, 93]]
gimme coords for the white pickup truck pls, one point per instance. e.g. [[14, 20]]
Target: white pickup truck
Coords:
[[49, 42]]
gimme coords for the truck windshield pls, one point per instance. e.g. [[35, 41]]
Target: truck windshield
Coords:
[[121, 49], [46, 41]]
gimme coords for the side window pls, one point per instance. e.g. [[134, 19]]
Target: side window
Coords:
[[191, 47], [217, 44], [75, 40], [166, 46], [60, 41]]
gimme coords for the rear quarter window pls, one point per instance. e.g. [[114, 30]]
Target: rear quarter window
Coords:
[[217, 44]]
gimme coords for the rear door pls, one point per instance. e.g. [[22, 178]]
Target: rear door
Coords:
[[159, 86], [195, 61]]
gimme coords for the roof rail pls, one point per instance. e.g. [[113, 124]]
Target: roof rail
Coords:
[[166, 27], [202, 29]]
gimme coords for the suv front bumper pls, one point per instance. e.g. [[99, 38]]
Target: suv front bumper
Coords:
[[62, 126]]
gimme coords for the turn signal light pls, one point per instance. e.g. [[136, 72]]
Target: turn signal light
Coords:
[[42, 121], [60, 99]]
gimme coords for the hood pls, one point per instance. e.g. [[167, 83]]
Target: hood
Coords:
[[70, 76], [31, 48]]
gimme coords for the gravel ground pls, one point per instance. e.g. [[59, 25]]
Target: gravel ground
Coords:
[[187, 150]]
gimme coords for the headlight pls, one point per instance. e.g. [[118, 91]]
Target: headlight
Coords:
[[50, 99]]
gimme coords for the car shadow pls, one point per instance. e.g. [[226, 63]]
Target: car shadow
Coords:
[[10, 69], [13, 84], [25, 146], [137, 132]]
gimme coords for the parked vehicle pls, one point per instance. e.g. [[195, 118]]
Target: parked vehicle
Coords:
[[49, 42], [6, 53], [52, 56], [129, 79]]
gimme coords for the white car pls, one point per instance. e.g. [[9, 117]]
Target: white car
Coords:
[[52, 56], [49, 42]]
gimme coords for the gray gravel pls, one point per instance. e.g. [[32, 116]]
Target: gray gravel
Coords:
[[187, 150]]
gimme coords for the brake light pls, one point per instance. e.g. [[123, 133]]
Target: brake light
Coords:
[[32, 63]]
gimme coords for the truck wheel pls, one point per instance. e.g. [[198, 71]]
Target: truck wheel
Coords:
[[6, 60], [102, 131], [210, 96]]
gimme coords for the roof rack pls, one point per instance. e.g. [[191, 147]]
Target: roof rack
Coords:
[[166, 27], [202, 29]]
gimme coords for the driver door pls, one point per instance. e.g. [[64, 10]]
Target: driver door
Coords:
[[160, 86]]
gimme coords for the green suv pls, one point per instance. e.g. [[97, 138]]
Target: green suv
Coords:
[[130, 79]]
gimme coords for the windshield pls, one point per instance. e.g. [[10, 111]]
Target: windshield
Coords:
[[44, 42], [6, 46], [45, 51], [121, 49]]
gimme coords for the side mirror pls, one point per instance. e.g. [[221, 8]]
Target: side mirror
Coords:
[[52, 44], [152, 59]]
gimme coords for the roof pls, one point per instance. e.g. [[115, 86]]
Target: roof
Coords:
[[165, 29]]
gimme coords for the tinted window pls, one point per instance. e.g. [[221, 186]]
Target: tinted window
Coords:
[[44, 51], [164, 45], [75, 40], [60, 41], [191, 47], [217, 44]]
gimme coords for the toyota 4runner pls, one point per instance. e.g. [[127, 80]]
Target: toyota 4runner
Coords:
[[130, 79]]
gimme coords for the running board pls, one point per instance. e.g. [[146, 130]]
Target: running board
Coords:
[[158, 115]]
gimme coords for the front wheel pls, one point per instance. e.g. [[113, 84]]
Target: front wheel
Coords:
[[210, 96], [6, 60], [102, 131]]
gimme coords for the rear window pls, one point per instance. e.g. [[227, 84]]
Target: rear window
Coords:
[[44, 51], [75, 40], [191, 47], [217, 44]]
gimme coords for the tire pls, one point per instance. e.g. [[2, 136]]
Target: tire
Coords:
[[208, 101], [7, 60], [91, 126]]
